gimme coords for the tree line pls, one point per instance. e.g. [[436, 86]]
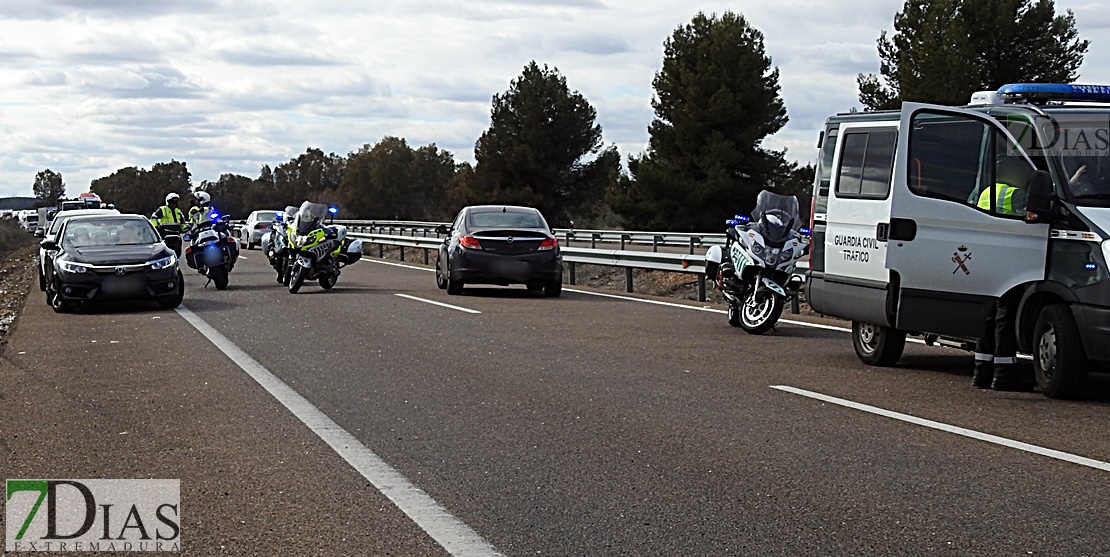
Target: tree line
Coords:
[[717, 98]]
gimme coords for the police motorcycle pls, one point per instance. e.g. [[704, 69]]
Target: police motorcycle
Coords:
[[755, 269], [275, 241], [212, 250], [317, 251]]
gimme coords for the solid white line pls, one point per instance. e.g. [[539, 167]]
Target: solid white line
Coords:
[[450, 532], [441, 304], [1051, 453]]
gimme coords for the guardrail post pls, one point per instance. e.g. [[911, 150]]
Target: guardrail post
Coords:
[[795, 306], [626, 238], [426, 256], [381, 251], [701, 287], [593, 240], [572, 277], [628, 279], [567, 237], [655, 243], [402, 248], [693, 241]]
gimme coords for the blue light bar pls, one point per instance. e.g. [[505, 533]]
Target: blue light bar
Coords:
[[1055, 91], [1091, 266], [742, 218], [805, 231], [333, 210], [215, 215], [732, 222]]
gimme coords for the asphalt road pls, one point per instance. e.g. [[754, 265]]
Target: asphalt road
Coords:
[[591, 424]]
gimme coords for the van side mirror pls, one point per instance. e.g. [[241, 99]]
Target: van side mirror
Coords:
[[1038, 203], [49, 245], [40, 232]]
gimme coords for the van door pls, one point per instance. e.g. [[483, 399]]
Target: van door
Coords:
[[953, 244], [850, 279]]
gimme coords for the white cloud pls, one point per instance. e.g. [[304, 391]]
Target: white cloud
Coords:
[[231, 85]]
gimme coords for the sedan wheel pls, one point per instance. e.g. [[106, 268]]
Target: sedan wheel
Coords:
[[441, 281], [454, 287]]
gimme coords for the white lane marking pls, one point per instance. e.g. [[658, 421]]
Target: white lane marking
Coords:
[[455, 536], [380, 262], [241, 257], [1035, 449], [441, 304], [682, 306]]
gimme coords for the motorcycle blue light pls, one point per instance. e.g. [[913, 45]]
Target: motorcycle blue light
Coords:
[[1056, 91], [732, 222], [1091, 266], [333, 210], [215, 215], [742, 218], [805, 231]]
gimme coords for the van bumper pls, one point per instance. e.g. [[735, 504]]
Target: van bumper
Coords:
[[1094, 329]]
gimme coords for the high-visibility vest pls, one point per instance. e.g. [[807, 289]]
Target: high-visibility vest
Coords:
[[1004, 199], [166, 216]]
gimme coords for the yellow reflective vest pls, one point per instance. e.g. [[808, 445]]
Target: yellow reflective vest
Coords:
[[168, 219], [1003, 202]]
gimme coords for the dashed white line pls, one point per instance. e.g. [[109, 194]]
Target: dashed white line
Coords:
[[401, 265], [441, 304], [454, 535], [1035, 449]]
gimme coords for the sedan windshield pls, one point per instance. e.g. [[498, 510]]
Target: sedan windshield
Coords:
[[506, 220], [109, 232]]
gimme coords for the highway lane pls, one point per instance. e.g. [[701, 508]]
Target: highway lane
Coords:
[[590, 425]]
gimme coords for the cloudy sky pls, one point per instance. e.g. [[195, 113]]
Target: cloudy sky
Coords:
[[91, 86]]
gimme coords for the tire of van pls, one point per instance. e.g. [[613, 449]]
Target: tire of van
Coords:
[[877, 345], [1059, 362]]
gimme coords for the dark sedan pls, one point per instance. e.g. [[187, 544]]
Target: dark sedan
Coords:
[[503, 245], [111, 257]]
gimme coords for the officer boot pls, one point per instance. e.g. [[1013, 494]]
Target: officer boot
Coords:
[[984, 374], [1006, 379]]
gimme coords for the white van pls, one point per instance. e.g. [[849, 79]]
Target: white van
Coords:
[[905, 241]]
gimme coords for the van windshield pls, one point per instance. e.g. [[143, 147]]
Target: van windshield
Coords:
[[1079, 144]]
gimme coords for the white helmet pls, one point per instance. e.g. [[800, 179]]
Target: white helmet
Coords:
[[172, 198], [203, 199]]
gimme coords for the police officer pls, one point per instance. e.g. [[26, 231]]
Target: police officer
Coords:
[[996, 349], [168, 220], [202, 203]]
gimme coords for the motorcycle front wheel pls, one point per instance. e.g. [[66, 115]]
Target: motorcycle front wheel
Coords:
[[760, 311], [296, 278]]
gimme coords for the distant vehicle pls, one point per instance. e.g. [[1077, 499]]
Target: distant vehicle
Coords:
[[111, 257], [29, 220], [503, 245], [258, 223], [46, 257]]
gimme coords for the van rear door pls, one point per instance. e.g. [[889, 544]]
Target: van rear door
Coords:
[[949, 257]]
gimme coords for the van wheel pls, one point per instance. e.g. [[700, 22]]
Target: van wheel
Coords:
[[1059, 362], [877, 345]]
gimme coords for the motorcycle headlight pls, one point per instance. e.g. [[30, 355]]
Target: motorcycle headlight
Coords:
[[758, 250], [71, 267], [301, 241], [163, 263]]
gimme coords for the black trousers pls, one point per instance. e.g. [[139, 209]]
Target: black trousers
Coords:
[[999, 339]]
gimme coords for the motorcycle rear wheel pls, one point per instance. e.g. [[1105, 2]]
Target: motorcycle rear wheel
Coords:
[[327, 282], [761, 310], [218, 276]]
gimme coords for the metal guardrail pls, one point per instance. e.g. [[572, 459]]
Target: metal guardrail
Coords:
[[627, 259]]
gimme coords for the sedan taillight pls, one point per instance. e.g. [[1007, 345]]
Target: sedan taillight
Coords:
[[550, 243], [261, 226], [469, 242]]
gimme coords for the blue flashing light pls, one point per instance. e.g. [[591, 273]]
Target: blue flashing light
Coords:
[[732, 222], [742, 218], [1091, 266], [1055, 91], [805, 231], [333, 210], [215, 215]]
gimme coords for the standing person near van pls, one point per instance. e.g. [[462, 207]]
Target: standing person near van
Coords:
[[996, 349]]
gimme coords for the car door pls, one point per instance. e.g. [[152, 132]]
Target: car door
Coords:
[[949, 257]]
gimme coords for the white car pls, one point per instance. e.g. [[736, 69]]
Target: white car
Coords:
[[51, 231], [250, 234]]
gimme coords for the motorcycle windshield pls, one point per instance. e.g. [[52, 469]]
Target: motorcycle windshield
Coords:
[[309, 217], [290, 213], [776, 215]]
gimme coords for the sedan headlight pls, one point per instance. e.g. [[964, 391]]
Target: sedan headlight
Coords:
[[163, 263], [71, 267]]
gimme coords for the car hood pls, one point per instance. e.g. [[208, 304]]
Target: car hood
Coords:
[[116, 255], [1100, 216]]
